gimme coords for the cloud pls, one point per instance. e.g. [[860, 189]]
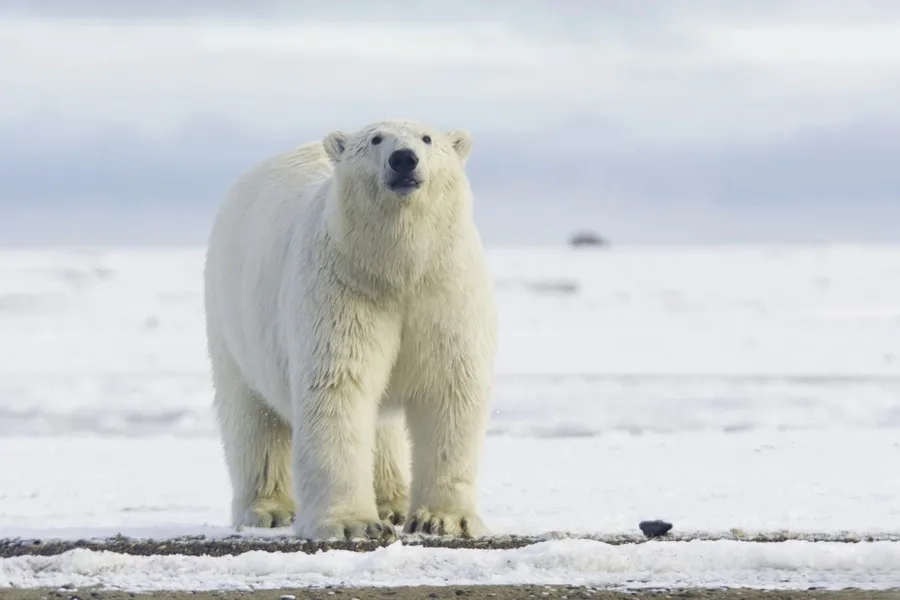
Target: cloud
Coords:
[[614, 110], [667, 76]]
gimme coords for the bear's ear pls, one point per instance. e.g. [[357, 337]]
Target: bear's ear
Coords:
[[462, 143], [334, 143]]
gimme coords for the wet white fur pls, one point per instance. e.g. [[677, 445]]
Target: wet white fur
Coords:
[[344, 321]]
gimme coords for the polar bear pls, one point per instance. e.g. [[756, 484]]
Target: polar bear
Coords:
[[349, 312]]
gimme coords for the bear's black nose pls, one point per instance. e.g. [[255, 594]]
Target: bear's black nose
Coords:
[[403, 161]]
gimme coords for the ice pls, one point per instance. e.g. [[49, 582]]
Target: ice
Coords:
[[748, 387], [632, 339]]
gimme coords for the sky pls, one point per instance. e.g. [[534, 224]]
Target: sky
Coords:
[[678, 122]]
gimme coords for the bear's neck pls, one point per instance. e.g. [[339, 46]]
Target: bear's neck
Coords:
[[386, 248]]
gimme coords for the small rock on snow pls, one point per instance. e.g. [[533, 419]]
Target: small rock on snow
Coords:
[[653, 529]]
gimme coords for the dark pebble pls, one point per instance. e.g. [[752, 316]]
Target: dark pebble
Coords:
[[653, 529]]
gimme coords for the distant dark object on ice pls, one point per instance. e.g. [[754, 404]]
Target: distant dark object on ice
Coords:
[[562, 286], [654, 529], [587, 238]]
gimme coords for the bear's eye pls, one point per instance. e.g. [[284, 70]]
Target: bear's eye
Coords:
[[376, 140], [426, 139]]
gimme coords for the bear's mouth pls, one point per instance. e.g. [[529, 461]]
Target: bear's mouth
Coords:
[[404, 184]]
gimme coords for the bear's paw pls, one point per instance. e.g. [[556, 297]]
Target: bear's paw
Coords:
[[447, 523], [267, 513], [352, 529]]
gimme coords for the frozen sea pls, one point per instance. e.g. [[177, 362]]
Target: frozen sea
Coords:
[[715, 387]]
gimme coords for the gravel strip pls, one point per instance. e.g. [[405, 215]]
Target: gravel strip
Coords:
[[238, 544]]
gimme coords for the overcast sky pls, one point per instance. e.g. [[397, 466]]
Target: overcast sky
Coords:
[[650, 122]]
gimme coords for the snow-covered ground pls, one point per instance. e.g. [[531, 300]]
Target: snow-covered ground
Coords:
[[717, 564], [756, 388]]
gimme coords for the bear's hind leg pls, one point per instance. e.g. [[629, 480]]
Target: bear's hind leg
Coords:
[[392, 466], [257, 444]]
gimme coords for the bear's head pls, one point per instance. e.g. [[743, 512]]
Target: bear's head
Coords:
[[399, 158]]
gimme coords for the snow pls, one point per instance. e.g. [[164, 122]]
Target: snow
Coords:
[[616, 340], [570, 562], [749, 387], [818, 481]]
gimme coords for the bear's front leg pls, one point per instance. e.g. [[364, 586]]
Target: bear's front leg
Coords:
[[448, 431], [334, 426], [447, 366]]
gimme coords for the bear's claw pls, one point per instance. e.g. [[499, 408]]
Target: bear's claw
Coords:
[[393, 510], [396, 518]]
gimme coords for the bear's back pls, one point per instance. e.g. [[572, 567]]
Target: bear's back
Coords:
[[247, 253], [268, 199], [279, 182]]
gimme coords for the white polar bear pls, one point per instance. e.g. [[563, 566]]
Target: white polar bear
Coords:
[[347, 298]]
